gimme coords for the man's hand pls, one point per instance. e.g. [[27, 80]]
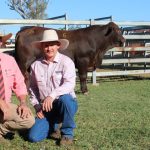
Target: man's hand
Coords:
[[24, 111], [40, 114], [47, 104]]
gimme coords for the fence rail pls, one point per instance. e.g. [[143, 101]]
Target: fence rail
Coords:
[[70, 22]]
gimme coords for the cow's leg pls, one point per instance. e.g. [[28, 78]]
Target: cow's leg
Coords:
[[83, 84], [82, 65]]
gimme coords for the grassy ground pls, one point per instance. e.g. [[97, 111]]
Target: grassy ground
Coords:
[[114, 116]]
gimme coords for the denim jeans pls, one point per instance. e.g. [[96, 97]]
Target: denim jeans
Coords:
[[63, 111]]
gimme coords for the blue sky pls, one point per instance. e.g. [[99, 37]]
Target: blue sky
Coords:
[[120, 10]]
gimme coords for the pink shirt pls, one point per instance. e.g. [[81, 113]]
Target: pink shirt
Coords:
[[52, 79], [13, 78]]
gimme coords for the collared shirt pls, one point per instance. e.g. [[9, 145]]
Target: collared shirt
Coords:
[[13, 78], [52, 79]]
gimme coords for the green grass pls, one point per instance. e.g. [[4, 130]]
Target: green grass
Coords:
[[114, 116]]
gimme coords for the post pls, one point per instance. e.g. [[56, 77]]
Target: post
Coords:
[[92, 22], [94, 77], [66, 25]]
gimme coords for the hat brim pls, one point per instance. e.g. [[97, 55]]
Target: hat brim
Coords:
[[64, 43]]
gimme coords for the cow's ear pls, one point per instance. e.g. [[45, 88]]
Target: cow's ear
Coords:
[[108, 31]]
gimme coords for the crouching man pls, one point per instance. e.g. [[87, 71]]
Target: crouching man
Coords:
[[52, 91], [12, 117]]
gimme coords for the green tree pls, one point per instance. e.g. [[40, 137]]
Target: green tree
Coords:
[[29, 9]]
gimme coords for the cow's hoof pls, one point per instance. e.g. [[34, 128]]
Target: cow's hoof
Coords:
[[86, 93]]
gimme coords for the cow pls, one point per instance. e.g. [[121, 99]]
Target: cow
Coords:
[[87, 47]]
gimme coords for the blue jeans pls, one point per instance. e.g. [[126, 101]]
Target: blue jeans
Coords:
[[63, 111]]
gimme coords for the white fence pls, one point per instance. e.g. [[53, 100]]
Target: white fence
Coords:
[[105, 61]]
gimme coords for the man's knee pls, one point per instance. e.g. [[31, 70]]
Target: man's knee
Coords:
[[39, 131], [30, 122], [69, 103], [66, 99], [25, 123]]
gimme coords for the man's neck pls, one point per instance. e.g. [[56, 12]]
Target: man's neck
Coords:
[[50, 59]]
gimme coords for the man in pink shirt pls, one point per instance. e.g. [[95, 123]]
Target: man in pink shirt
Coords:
[[52, 91], [12, 117]]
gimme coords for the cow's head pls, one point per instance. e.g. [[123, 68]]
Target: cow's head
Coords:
[[3, 40], [115, 35]]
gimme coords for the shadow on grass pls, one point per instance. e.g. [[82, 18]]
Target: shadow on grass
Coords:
[[9, 136], [23, 134], [121, 78], [111, 79]]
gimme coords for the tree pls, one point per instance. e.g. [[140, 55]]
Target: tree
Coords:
[[29, 9]]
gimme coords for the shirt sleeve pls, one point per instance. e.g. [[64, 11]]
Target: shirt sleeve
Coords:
[[19, 86], [33, 89], [69, 80]]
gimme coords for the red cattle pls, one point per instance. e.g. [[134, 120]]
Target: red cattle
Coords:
[[87, 47]]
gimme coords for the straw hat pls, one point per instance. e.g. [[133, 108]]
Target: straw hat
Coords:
[[51, 36]]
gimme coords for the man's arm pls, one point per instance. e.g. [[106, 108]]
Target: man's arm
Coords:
[[34, 94], [23, 110], [21, 92]]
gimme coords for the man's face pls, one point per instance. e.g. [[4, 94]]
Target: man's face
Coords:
[[50, 49]]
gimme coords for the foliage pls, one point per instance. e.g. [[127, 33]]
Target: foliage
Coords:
[[29, 9], [114, 116]]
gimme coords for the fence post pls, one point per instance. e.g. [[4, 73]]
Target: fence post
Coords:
[[66, 25], [94, 77]]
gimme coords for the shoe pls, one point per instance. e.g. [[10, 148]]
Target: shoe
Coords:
[[65, 141], [55, 135]]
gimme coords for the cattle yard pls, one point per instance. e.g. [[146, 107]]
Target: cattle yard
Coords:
[[131, 59]]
